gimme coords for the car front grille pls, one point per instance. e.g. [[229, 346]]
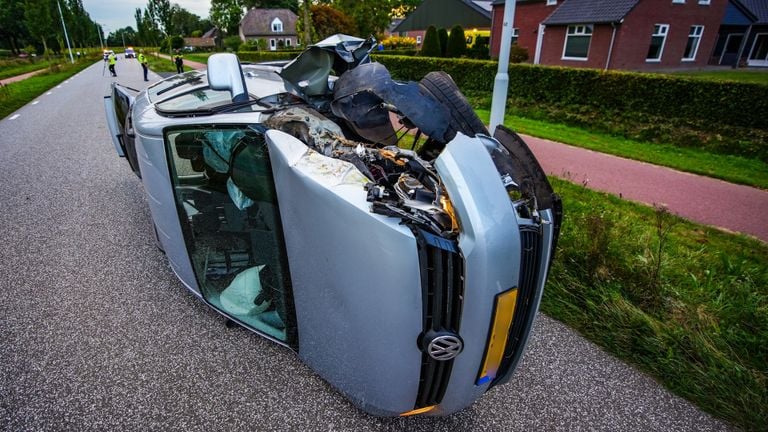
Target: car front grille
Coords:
[[442, 282], [530, 263]]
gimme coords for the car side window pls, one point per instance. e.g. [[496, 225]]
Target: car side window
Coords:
[[226, 200]]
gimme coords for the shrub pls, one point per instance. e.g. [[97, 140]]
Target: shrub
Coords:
[[396, 42], [232, 43], [431, 45], [517, 54], [457, 43], [177, 42], [442, 35]]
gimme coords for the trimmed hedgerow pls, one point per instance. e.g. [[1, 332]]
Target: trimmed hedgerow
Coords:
[[726, 117]]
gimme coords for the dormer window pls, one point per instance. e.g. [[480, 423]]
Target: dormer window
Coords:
[[277, 26], [551, 2]]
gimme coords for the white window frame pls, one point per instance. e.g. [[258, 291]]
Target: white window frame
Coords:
[[288, 42], [277, 26], [515, 34], [579, 30], [659, 33], [272, 44], [418, 40], [551, 2], [704, 2], [678, 1], [692, 33]]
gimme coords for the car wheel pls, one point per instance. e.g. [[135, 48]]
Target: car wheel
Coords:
[[440, 85]]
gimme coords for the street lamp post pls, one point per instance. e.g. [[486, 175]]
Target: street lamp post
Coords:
[[501, 83], [69, 47]]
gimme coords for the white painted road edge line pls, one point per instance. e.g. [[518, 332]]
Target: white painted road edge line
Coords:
[[58, 86], [49, 93], [14, 117], [35, 102]]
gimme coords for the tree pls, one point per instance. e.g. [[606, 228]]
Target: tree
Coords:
[[185, 22], [431, 45], [162, 15], [327, 21], [442, 35], [37, 15], [12, 28], [226, 15], [457, 43], [293, 5], [371, 16]]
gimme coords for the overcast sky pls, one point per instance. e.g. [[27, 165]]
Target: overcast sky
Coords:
[[116, 14]]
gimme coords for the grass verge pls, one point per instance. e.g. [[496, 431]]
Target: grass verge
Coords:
[[19, 68], [15, 95], [735, 169], [683, 302], [739, 75]]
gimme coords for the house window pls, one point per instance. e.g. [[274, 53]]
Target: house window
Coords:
[[288, 42], [418, 40], [658, 38], [577, 40], [515, 35], [551, 2], [694, 37], [277, 25], [704, 2], [678, 1], [272, 44]]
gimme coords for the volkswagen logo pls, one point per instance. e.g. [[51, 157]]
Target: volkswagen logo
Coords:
[[445, 347]]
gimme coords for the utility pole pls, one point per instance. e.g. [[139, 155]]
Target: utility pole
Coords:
[[98, 30], [72, 59], [501, 83]]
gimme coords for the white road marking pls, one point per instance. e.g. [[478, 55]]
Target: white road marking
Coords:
[[15, 116], [58, 86], [35, 102], [49, 93]]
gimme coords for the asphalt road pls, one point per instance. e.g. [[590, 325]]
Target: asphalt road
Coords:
[[96, 333]]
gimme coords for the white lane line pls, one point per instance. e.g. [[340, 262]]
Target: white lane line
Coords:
[[49, 93], [35, 102], [58, 86], [15, 116]]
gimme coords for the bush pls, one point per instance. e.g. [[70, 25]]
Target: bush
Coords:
[[232, 43], [457, 43], [177, 42], [431, 45], [675, 110], [442, 35], [263, 56], [396, 42], [517, 54]]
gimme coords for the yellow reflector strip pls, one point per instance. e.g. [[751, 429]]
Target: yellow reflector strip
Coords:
[[418, 411], [505, 310]]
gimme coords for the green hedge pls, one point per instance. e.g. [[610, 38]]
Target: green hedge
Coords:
[[263, 56], [724, 117]]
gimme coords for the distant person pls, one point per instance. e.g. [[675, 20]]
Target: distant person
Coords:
[[178, 59], [144, 63], [112, 59]]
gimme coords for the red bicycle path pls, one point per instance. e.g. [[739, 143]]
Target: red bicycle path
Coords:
[[701, 199]]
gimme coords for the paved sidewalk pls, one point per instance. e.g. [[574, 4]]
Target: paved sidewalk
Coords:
[[12, 79], [698, 198]]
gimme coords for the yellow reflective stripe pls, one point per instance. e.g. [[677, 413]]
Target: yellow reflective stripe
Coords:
[[418, 411], [497, 341]]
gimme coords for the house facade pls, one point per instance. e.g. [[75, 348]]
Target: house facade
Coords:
[[743, 38], [277, 27], [469, 14], [528, 15], [622, 34]]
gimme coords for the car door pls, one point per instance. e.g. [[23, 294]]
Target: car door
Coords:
[[118, 106]]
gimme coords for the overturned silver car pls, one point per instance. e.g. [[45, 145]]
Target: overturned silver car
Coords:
[[370, 225]]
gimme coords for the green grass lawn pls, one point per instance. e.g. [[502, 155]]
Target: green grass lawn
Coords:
[[683, 302], [198, 57], [162, 64], [757, 76], [16, 95], [734, 169]]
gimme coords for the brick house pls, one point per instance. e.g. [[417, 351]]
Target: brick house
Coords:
[[469, 14], [275, 26], [626, 34], [528, 15], [743, 38]]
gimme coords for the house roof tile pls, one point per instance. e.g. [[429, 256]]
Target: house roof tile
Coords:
[[590, 11], [759, 8], [258, 22]]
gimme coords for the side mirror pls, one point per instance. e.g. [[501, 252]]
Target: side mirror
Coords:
[[224, 73]]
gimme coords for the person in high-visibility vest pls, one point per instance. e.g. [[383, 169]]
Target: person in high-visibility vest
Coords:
[[112, 59], [144, 63], [178, 59]]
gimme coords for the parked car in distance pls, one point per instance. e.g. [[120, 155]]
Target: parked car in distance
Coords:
[[371, 225], [130, 53]]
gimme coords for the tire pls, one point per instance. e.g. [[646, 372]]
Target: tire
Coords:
[[463, 118]]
